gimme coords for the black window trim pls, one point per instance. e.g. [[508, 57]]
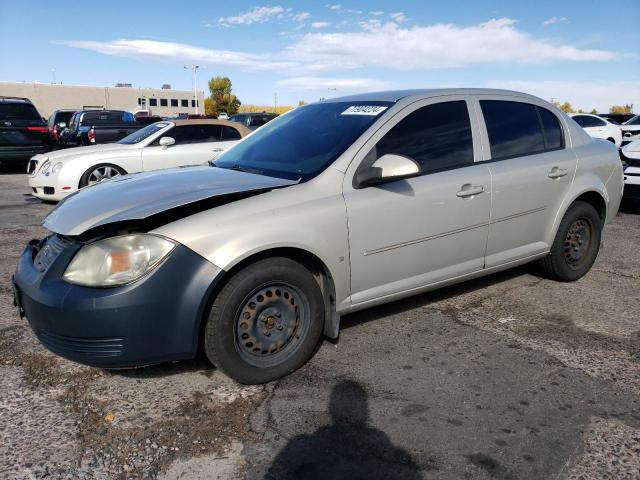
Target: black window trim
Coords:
[[439, 99], [544, 136]]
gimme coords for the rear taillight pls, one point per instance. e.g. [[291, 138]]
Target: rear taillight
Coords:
[[92, 135], [55, 135], [38, 129]]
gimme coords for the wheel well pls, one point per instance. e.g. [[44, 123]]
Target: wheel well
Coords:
[[107, 164], [612, 140], [316, 266], [596, 201]]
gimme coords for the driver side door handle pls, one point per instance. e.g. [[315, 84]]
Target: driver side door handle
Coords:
[[468, 190]]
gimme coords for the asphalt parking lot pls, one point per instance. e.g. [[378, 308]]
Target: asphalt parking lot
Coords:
[[509, 377]]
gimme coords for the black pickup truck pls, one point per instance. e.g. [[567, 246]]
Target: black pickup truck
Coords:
[[90, 127], [23, 132]]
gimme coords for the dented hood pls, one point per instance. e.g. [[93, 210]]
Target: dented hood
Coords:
[[140, 196]]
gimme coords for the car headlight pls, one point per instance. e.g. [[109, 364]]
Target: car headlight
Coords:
[[56, 168], [117, 260], [46, 166]]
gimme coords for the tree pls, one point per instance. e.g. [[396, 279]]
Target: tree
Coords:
[[210, 107], [593, 111], [222, 99], [301, 103], [565, 107], [621, 108]]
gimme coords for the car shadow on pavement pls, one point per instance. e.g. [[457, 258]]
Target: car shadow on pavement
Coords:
[[348, 448], [167, 369]]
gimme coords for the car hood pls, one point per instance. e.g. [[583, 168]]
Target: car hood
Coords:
[[58, 155], [630, 128], [143, 195]]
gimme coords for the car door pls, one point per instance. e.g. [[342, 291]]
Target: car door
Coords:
[[194, 145], [410, 233], [531, 171]]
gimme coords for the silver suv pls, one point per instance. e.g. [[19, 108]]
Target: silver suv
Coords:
[[330, 208]]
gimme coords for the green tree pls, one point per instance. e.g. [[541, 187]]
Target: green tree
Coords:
[[222, 97], [593, 111]]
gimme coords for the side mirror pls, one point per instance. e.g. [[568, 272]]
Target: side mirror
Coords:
[[166, 142], [388, 168]]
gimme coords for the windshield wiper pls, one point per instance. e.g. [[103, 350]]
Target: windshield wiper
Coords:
[[238, 168]]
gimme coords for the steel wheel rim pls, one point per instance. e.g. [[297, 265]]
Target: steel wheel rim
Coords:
[[577, 243], [101, 174], [270, 324]]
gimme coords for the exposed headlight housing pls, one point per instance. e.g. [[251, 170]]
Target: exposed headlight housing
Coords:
[[117, 260], [46, 166], [56, 168]]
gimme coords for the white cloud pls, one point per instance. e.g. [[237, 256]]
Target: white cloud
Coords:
[[586, 95], [334, 6], [436, 46], [374, 45], [301, 17], [256, 15], [340, 85], [398, 17], [181, 53], [320, 24], [552, 20], [376, 13]]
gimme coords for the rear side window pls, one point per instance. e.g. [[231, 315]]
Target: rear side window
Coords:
[[437, 136], [19, 113], [229, 133], [586, 121], [517, 129]]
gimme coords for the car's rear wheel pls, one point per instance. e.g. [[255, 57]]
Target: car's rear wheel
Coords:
[[100, 173], [576, 246], [265, 322]]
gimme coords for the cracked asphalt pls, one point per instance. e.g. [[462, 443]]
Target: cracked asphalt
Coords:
[[508, 377]]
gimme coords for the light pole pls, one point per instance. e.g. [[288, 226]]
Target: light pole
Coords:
[[194, 83]]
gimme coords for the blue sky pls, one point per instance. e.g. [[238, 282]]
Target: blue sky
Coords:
[[582, 51]]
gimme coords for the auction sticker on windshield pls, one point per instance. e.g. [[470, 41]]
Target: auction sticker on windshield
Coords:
[[364, 110]]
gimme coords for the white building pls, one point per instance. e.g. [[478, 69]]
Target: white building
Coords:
[[163, 102]]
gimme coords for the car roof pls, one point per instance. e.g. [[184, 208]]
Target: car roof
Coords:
[[244, 131], [396, 95], [5, 99]]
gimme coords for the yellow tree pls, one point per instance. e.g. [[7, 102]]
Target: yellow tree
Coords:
[[565, 107], [621, 108]]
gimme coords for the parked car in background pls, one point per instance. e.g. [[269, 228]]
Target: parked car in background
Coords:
[[631, 130], [630, 156], [23, 132], [160, 145], [58, 121], [332, 208], [89, 127], [223, 116], [253, 120], [145, 120], [616, 118], [599, 127]]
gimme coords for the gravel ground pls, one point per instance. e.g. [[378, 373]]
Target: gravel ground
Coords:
[[509, 376]]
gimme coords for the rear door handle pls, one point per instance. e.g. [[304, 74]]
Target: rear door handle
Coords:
[[557, 172], [468, 190], [217, 149]]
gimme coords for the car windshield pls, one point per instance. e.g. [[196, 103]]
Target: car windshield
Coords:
[[302, 143], [139, 135], [634, 121]]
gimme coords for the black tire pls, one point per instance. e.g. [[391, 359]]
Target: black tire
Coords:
[[247, 312], [576, 245], [84, 180]]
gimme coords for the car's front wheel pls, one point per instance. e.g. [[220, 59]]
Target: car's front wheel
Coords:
[[576, 245], [265, 322], [100, 173]]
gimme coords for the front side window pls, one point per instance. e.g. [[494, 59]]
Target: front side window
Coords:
[[586, 121], [302, 143], [513, 127], [437, 137], [186, 134]]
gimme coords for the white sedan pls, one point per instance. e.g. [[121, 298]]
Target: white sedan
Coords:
[[631, 163], [599, 127], [176, 143]]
